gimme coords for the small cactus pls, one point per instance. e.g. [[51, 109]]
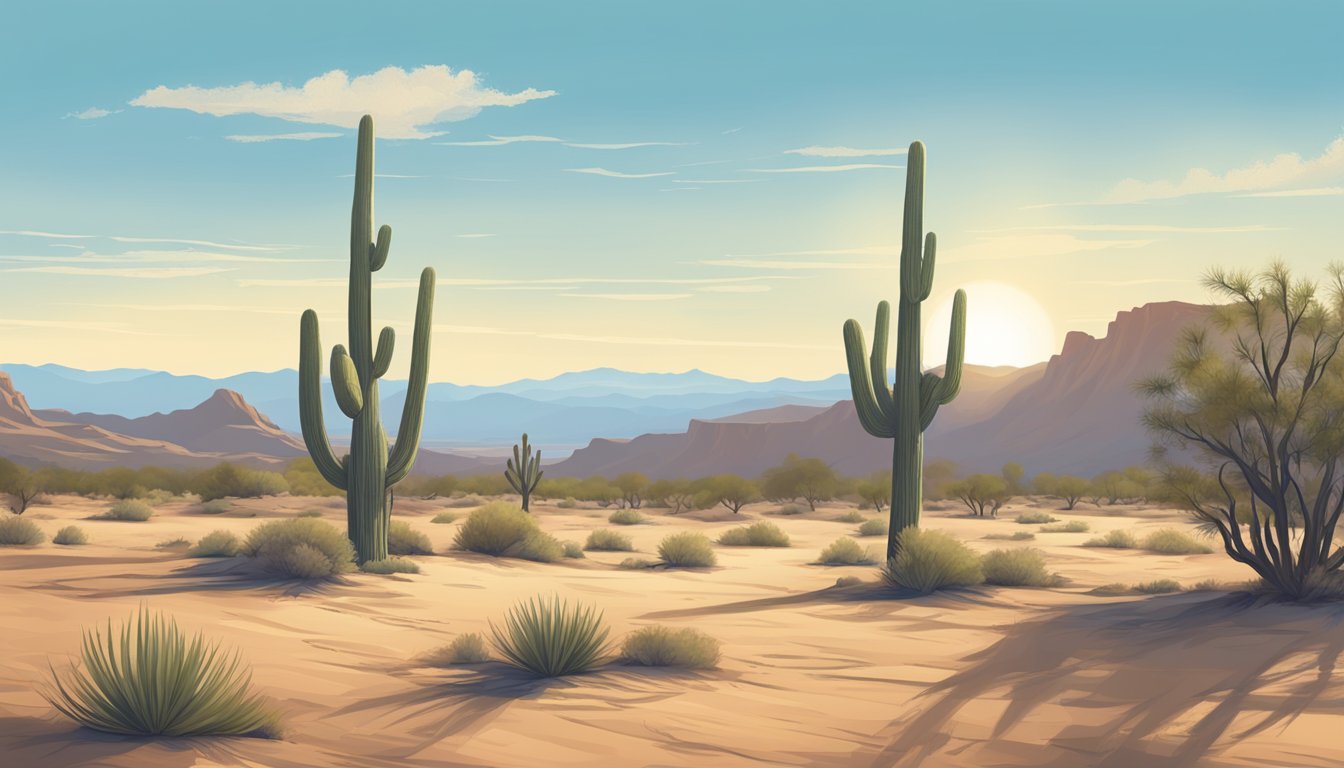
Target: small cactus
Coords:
[[524, 472]]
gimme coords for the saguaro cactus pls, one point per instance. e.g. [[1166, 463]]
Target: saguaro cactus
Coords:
[[906, 409], [369, 471], [524, 472]]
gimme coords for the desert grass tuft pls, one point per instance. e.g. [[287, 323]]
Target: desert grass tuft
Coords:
[[214, 507], [15, 531], [128, 510], [1116, 539], [1072, 526], [216, 544], [687, 550], [1017, 568], [300, 549], [932, 560], [390, 565], [501, 529], [443, 518], [310, 513], [853, 516], [1170, 541], [625, 517], [637, 564], [1158, 587], [175, 543], [402, 539], [467, 648], [1035, 517], [70, 535], [660, 646], [759, 534], [1014, 536], [874, 527], [607, 540], [551, 638], [573, 550], [846, 551]]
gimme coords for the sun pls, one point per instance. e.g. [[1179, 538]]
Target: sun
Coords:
[[1004, 326]]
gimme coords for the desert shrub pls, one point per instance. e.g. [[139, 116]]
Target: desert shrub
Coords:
[[1017, 568], [760, 534], [467, 648], [70, 535], [1072, 526], [214, 507], [1112, 590], [551, 638], [149, 679], [625, 517], [176, 543], [539, 548], [569, 502], [846, 551], [659, 646], [402, 539], [852, 516], [932, 560], [310, 513], [1170, 541], [464, 502], [300, 549], [156, 497], [216, 544], [791, 509], [572, 549], [607, 540], [1116, 539], [636, 564], [687, 550], [15, 531], [1158, 587], [1210, 585], [874, 527], [848, 581], [129, 510], [1035, 517], [494, 528], [390, 565], [443, 518], [1014, 536], [242, 482]]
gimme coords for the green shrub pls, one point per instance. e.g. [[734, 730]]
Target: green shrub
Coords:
[[390, 565], [1116, 539], [789, 510], [443, 518], [625, 517], [241, 482], [177, 543], [1170, 541], [129, 510], [687, 550], [1017, 568], [1112, 590], [1035, 517], [846, 551], [15, 531], [402, 539], [852, 516], [637, 563], [465, 649], [932, 560], [659, 646], [573, 550], [1072, 526], [551, 638], [156, 497], [465, 502], [300, 549], [1014, 536], [70, 535], [569, 502], [216, 544], [495, 529], [1158, 587], [215, 507], [1211, 585], [761, 534], [607, 540], [149, 679], [310, 513], [538, 547], [874, 527]]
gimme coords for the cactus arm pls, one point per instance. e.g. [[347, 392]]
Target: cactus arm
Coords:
[[378, 251], [382, 359], [878, 361], [510, 474], [861, 384], [401, 460], [930, 251], [345, 382], [310, 402], [935, 390]]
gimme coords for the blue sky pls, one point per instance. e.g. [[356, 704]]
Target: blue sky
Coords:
[[759, 210]]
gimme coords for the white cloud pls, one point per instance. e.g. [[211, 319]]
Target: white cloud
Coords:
[[34, 233], [736, 289], [144, 273], [617, 174], [166, 240], [730, 131], [1144, 228], [301, 136], [715, 181], [93, 113], [825, 168], [403, 103], [631, 145], [628, 296], [815, 151], [499, 141], [1285, 170], [160, 257], [1309, 192]]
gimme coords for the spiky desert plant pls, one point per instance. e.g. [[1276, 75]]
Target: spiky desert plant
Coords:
[[524, 471], [369, 471], [149, 679], [551, 638], [904, 410]]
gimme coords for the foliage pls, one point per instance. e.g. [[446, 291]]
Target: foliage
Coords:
[[225, 480], [852, 516], [931, 560], [1035, 517], [70, 535], [659, 646], [876, 490], [390, 565], [402, 539], [636, 563], [789, 510], [1158, 587], [846, 551], [16, 531], [23, 486], [809, 479], [130, 510], [1116, 539], [874, 527], [938, 475], [300, 548], [1170, 541], [625, 517], [687, 550], [573, 550], [1017, 568], [1014, 536], [551, 638], [759, 534], [678, 495], [1067, 488], [216, 544], [443, 518], [496, 529], [1072, 526], [468, 648], [981, 492], [215, 507], [732, 491], [1012, 474], [607, 540], [309, 513], [303, 479], [632, 486]]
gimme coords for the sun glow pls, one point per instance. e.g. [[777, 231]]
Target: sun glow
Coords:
[[1004, 326]]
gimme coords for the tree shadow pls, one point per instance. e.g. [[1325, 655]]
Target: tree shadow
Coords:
[[205, 575], [875, 599]]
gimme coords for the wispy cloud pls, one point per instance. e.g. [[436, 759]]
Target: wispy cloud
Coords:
[[628, 296], [403, 103], [1285, 170], [730, 131], [553, 283], [92, 113], [499, 141], [35, 233], [246, 138], [1141, 228], [149, 240], [75, 325], [160, 257], [142, 273], [1140, 281], [715, 181], [617, 174], [477, 234], [736, 288], [630, 145], [815, 151], [1309, 192], [229, 308], [826, 168]]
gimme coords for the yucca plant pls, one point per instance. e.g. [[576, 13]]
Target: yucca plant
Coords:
[[551, 638], [148, 679]]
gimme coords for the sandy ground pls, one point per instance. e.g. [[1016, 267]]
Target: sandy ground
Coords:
[[812, 675]]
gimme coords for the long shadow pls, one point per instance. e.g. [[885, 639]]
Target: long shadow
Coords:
[[206, 575], [878, 597], [1146, 664], [33, 741]]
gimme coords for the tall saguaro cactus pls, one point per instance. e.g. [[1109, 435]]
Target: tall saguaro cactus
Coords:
[[524, 472], [369, 471], [904, 410]]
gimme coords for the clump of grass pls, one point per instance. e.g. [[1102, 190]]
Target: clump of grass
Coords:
[[1035, 517], [1014, 536], [874, 527], [18, 532], [846, 551], [852, 516], [848, 581], [1158, 587], [636, 564], [310, 513], [789, 510], [1116, 539], [1210, 585], [70, 535], [156, 497], [1114, 589], [659, 646], [128, 510], [687, 550], [573, 550], [177, 543], [215, 507], [569, 502], [539, 548], [932, 560], [468, 648], [216, 544], [464, 502], [402, 539], [1072, 526], [501, 529], [1170, 541], [443, 518], [149, 679], [607, 540], [759, 534], [300, 549], [390, 565], [551, 638], [1017, 568], [625, 517]]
